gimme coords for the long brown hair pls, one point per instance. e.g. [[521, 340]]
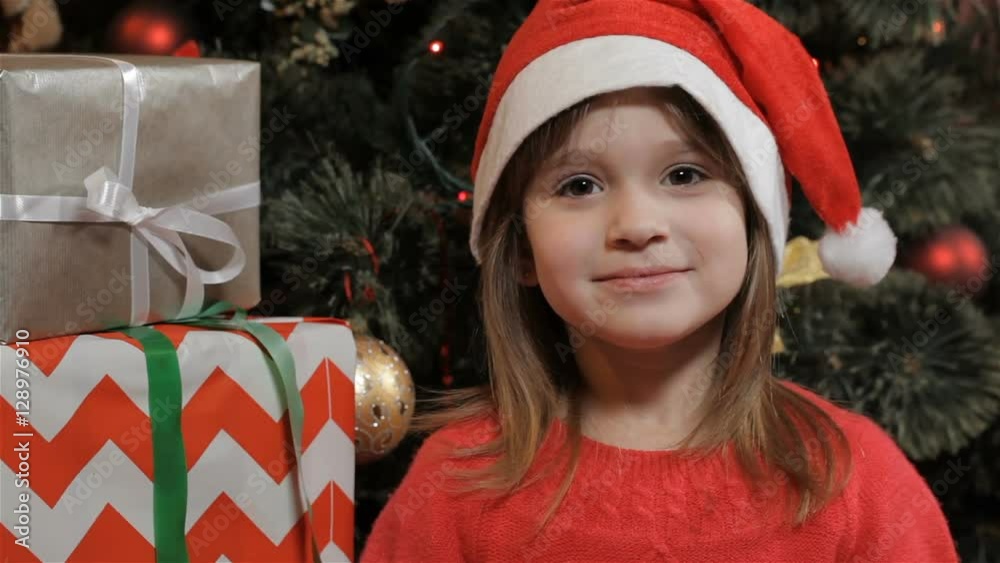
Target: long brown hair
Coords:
[[768, 425]]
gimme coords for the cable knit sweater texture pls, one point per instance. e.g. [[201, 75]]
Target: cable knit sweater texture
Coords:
[[633, 505]]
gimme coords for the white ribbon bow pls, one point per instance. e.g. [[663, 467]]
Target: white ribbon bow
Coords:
[[160, 228]]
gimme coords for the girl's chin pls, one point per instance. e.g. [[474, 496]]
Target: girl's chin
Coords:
[[631, 342], [632, 339]]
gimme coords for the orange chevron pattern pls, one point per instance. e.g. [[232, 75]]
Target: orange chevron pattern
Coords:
[[109, 414], [47, 354], [253, 429], [315, 394], [222, 530], [12, 553], [112, 529], [106, 414]]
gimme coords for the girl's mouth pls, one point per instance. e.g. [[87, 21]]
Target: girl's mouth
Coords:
[[643, 283]]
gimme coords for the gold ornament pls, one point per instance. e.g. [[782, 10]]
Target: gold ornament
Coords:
[[384, 398], [802, 265]]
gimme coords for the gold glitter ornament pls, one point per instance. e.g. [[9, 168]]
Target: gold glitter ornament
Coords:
[[384, 399]]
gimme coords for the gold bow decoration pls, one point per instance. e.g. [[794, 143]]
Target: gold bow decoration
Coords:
[[801, 266]]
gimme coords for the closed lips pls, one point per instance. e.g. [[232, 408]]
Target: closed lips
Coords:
[[639, 273]]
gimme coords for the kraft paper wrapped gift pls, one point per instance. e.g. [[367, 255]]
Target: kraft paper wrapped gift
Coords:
[[128, 190], [89, 448]]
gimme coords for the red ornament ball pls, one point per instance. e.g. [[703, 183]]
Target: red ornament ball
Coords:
[[955, 256], [148, 28]]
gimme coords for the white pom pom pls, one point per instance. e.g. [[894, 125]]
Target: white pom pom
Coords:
[[863, 253]]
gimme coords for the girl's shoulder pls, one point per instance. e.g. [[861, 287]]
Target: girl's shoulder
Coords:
[[892, 512], [444, 444], [874, 452]]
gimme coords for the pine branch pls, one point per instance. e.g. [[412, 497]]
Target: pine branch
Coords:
[[343, 222], [921, 154], [924, 365]]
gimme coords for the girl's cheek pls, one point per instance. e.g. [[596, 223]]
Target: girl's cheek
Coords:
[[553, 227], [721, 215], [558, 253]]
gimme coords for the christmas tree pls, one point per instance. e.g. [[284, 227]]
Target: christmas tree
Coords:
[[369, 116]]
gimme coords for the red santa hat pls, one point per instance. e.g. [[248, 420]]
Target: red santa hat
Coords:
[[749, 72]]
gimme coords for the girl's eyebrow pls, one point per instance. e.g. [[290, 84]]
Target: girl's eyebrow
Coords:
[[563, 158], [679, 146], [676, 146]]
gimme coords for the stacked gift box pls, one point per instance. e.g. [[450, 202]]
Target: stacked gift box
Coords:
[[148, 419]]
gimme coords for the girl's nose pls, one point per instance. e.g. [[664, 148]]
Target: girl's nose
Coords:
[[635, 219]]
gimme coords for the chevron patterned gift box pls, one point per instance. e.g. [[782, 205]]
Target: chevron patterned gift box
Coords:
[[77, 475]]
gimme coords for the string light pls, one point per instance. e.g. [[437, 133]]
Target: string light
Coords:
[[437, 46], [815, 62], [862, 40], [463, 196], [937, 34]]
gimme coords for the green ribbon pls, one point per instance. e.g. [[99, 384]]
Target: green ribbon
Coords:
[[282, 364], [169, 461]]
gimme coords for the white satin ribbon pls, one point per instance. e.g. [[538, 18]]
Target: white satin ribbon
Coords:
[[110, 199]]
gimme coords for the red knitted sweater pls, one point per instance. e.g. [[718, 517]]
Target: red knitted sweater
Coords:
[[632, 505]]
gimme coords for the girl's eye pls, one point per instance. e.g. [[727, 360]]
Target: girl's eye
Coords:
[[683, 175], [581, 186], [576, 187]]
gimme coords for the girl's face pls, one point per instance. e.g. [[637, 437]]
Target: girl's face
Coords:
[[626, 191]]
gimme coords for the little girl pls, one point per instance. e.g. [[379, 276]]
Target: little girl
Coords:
[[632, 185]]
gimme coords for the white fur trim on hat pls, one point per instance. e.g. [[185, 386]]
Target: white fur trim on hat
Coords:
[[862, 254], [575, 71]]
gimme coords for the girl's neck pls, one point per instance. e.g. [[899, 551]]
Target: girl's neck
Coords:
[[647, 399]]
